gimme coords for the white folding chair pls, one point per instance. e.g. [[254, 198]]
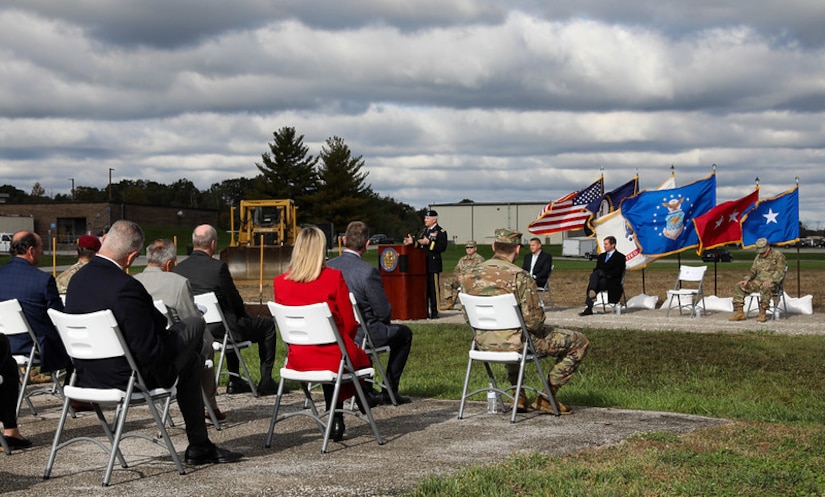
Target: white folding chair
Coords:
[[314, 325], [96, 336], [374, 353], [493, 313], [603, 299], [214, 314], [13, 322], [3, 442], [688, 286], [164, 309]]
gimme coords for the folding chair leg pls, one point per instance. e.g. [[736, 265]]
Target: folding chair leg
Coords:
[[212, 416], [271, 432], [248, 377], [57, 433], [464, 390], [5, 446], [367, 411], [24, 383]]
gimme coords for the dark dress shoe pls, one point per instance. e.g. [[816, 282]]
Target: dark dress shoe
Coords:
[[400, 399], [374, 398], [17, 443], [238, 387], [211, 454], [587, 312], [78, 406], [338, 428], [268, 387], [218, 415]]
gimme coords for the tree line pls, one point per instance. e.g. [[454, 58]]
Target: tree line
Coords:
[[330, 188]]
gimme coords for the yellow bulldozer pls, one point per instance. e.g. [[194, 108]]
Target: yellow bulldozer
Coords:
[[266, 232]]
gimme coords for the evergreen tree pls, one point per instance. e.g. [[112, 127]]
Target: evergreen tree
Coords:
[[342, 195], [289, 171]]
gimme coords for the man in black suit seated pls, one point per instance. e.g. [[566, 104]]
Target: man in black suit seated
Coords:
[[162, 355], [607, 275], [207, 274], [538, 263], [364, 281]]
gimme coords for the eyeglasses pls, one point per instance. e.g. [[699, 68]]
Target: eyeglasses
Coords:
[[470, 246]]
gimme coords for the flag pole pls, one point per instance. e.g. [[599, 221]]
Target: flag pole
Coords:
[[798, 271]]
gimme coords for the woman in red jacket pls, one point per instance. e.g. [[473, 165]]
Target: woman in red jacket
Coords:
[[309, 281]]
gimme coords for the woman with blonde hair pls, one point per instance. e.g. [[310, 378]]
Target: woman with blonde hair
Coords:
[[308, 280]]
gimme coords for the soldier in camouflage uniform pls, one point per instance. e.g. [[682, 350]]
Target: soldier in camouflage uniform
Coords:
[[451, 285], [497, 276], [87, 247], [767, 271]]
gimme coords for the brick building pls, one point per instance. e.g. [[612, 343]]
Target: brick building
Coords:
[[68, 221]]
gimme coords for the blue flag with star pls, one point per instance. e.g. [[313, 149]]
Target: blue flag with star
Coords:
[[663, 219], [775, 218]]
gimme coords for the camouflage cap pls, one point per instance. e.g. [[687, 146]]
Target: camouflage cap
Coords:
[[761, 245], [503, 235], [470, 244]]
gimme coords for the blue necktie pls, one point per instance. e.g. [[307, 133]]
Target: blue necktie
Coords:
[[607, 257]]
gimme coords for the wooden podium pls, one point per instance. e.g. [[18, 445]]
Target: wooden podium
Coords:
[[404, 275]]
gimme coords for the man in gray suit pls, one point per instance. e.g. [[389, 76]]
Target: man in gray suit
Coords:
[[176, 293], [364, 281]]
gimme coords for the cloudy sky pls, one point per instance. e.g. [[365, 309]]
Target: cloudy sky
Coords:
[[445, 99]]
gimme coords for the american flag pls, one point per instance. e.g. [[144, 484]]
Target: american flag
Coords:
[[568, 212]]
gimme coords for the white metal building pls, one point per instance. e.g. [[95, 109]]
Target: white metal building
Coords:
[[477, 221]]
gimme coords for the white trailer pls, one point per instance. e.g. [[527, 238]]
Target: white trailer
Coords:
[[579, 247]]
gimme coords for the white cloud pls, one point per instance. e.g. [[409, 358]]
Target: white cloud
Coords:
[[445, 100]]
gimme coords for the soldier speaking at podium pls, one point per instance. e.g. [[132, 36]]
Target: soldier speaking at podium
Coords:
[[433, 241]]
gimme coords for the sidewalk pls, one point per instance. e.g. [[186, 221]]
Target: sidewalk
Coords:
[[657, 320]]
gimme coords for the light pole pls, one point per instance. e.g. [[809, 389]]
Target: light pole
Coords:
[[110, 183], [72, 180]]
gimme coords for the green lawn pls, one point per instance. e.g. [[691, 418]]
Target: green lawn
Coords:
[[770, 385]]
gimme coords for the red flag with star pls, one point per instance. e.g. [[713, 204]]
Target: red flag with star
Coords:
[[720, 225]]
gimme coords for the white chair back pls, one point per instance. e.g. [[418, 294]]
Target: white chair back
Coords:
[[89, 336], [692, 273], [213, 313], [12, 319], [498, 312], [304, 325]]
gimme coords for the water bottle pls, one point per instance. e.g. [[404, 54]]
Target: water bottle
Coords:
[[491, 400]]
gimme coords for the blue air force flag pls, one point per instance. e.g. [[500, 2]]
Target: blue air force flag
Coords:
[[775, 218], [663, 219]]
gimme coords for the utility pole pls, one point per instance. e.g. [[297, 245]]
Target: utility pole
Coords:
[[110, 183]]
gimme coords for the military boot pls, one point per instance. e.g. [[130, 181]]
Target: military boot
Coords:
[[738, 313], [522, 403], [763, 311], [542, 403]]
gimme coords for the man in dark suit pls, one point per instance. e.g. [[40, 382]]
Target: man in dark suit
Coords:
[[36, 291], [364, 281], [433, 241], [607, 275], [538, 263], [207, 274], [162, 355]]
